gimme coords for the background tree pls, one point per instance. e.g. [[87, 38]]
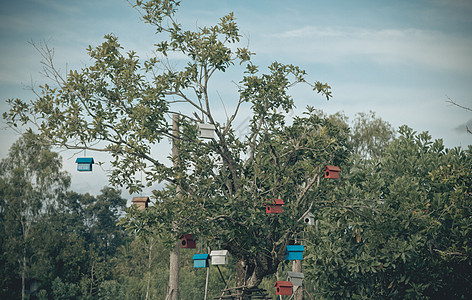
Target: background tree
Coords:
[[31, 180], [380, 236]]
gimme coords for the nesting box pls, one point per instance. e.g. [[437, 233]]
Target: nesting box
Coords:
[[275, 207], [219, 257], [294, 252], [332, 172], [84, 164], [141, 202], [201, 260], [309, 219], [295, 278], [283, 287], [206, 131], [187, 241]]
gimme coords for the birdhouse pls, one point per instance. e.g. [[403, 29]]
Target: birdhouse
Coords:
[[141, 202], [219, 257], [187, 241], [283, 287], [294, 252], [309, 219], [275, 207], [201, 260], [332, 172], [295, 278], [84, 164], [206, 131]]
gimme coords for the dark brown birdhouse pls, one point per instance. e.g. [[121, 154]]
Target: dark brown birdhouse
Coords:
[[283, 288], [332, 172], [187, 241], [275, 207], [141, 202]]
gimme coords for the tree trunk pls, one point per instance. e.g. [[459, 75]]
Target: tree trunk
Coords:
[[149, 268], [174, 259], [23, 274], [298, 291], [173, 290]]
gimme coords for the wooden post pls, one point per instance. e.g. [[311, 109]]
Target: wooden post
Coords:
[[174, 259]]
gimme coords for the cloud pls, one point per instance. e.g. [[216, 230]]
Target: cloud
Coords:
[[334, 45]]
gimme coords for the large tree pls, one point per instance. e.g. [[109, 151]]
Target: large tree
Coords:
[[215, 189]]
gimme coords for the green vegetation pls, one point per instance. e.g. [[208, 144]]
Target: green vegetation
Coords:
[[396, 225]]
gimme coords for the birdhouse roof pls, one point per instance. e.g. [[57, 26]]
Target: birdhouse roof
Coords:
[[206, 126], [219, 253], [283, 284], [308, 214], [201, 256], [84, 160], [333, 168], [140, 199], [187, 236], [275, 202], [295, 248], [295, 275]]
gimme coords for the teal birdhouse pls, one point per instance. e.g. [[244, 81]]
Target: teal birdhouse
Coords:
[[84, 164], [294, 252], [201, 260]]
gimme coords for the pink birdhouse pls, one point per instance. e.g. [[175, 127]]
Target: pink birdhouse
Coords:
[[332, 172], [275, 207]]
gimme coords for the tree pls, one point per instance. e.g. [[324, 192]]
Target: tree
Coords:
[[31, 180], [218, 188], [400, 232]]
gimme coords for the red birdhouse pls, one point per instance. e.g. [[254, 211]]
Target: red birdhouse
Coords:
[[283, 287], [187, 241], [332, 172], [275, 207]]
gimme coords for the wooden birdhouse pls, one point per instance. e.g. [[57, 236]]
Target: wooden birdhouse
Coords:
[[206, 131], [219, 257], [84, 164], [309, 219], [141, 202], [187, 241], [332, 172], [294, 252], [295, 278], [201, 260], [275, 207], [283, 287]]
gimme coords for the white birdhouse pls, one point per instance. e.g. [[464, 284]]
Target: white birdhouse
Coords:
[[295, 278], [219, 257], [206, 131], [309, 219]]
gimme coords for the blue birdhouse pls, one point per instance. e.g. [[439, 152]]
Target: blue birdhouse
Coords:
[[201, 260], [294, 252], [84, 164]]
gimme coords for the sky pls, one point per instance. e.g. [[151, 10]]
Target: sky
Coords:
[[401, 59]]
